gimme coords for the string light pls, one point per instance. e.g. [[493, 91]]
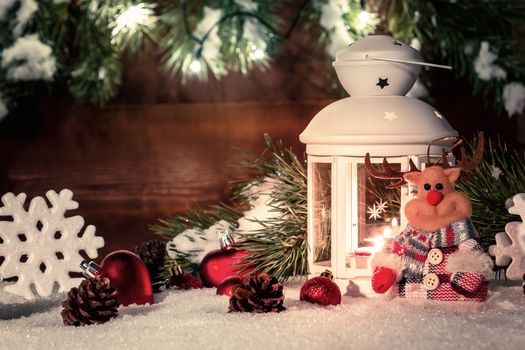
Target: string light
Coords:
[[195, 66], [258, 54], [363, 17]]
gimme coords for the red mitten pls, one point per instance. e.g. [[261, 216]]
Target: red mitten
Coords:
[[466, 282], [382, 279]]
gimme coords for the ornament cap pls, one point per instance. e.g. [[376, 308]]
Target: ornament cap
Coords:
[[90, 269], [175, 269], [225, 238], [327, 273]]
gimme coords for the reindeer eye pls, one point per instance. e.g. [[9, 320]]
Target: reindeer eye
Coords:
[[427, 186], [439, 186]]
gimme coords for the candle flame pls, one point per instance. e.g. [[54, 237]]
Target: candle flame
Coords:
[[394, 222], [379, 243], [387, 233]]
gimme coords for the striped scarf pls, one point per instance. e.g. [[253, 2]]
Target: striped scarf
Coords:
[[413, 244]]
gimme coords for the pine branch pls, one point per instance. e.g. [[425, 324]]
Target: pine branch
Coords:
[[489, 193], [279, 247], [452, 32], [182, 47], [197, 218]]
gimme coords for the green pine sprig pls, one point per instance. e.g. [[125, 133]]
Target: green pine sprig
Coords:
[[452, 32], [489, 192], [279, 247]]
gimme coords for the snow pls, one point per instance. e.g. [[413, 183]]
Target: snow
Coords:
[[42, 234], [484, 64], [25, 13], [254, 33], [416, 44], [514, 98], [197, 243], [247, 5], [495, 172], [37, 62], [5, 6], [130, 19], [212, 44], [332, 20], [260, 208], [198, 319]]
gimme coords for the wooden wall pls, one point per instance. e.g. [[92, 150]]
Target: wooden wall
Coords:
[[129, 165]]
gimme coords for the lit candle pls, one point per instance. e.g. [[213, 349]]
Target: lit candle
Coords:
[[379, 243], [387, 233]]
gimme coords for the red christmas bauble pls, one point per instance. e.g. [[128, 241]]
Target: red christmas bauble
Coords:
[[185, 281], [129, 275], [219, 264], [321, 290], [226, 286]]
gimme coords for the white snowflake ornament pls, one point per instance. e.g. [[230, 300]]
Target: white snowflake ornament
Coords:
[[510, 245], [41, 246]]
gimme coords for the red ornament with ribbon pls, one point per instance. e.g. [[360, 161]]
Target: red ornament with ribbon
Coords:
[[219, 264], [127, 274], [321, 290]]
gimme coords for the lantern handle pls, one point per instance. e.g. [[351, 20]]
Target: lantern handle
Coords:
[[375, 58]]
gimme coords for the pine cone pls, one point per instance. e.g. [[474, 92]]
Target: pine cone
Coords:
[[261, 293], [94, 301], [153, 254]]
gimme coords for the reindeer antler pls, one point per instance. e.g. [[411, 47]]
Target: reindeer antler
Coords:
[[477, 157], [463, 162], [388, 173]]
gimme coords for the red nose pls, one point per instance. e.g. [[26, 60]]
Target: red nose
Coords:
[[434, 197]]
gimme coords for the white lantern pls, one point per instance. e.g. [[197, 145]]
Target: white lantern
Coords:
[[349, 212]]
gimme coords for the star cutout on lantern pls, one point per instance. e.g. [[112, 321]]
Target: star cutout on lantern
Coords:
[[382, 83], [439, 115], [390, 116], [375, 212], [397, 43]]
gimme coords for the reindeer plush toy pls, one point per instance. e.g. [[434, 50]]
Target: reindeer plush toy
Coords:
[[437, 257]]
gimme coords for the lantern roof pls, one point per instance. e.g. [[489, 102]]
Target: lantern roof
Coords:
[[377, 71], [382, 46], [395, 120]]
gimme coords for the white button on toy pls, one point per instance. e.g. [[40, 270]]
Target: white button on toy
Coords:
[[435, 256], [431, 281]]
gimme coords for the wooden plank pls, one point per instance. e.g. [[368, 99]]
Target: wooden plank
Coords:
[[131, 164]]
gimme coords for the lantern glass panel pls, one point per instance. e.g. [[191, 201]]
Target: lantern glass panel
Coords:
[[377, 207], [322, 213]]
